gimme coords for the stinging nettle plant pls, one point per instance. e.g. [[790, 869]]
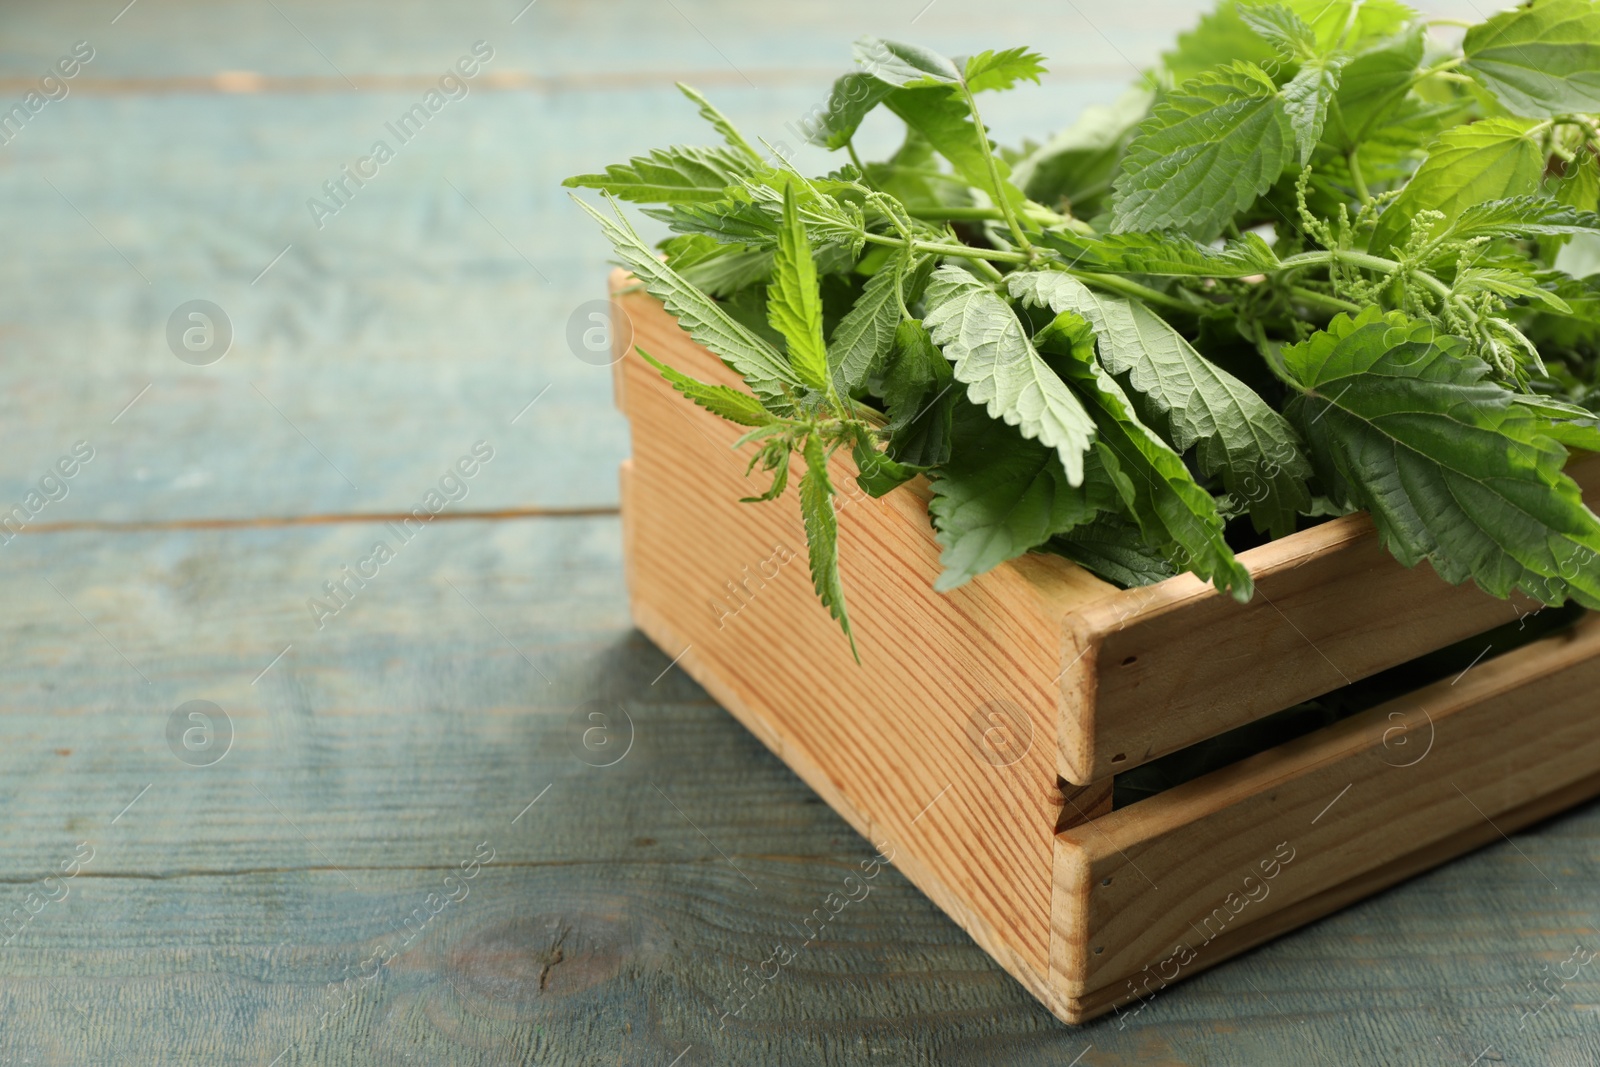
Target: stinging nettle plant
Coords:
[[1314, 263]]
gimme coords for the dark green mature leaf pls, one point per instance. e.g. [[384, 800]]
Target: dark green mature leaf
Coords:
[[794, 302], [1162, 254], [920, 391], [1205, 153], [1521, 216], [1373, 83], [853, 97], [1075, 167], [1488, 160], [720, 123], [982, 336], [1002, 70], [1174, 513], [763, 367], [1237, 436], [669, 176], [1112, 548], [1541, 59], [1306, 97], [1001, 495], [1407, 425], [822, 535], [864, 337], [901, 65], [945, 120], [877, 472], [730, 404], [1220, 37]]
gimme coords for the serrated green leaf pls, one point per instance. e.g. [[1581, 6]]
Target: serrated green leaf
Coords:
[[1205, 153], [1373, 83], [1507, 283], [1002, 70], [1237, 437], [1112, 548], [1162, 254], [1174, 513], [1001, 495], [669, 176], [1306, 97], [853, 98], [877, 473], [1351, 24], [1580, 186], [720, 400], [1521, 216], [1487, 160], [1541, 59], [1406, 424], [864, 337], [1282, 27], [1220, 37], [945, 120], [902, 65], [794, 301], [714, 268], [822, 535], [919, 389], [993, 357], [1075, 167], [719, 122], [763, 367]]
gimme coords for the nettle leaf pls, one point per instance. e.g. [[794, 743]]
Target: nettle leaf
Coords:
[[1542, 59], [1221, 36], [1408, 425], [1487, 160], [1522, 216], [730, 404], [822, 535], [752, 214], [764, 367], [982, 336], [1373, 83], [1280, 26], [1074, 168], [1001, 495], [1511, 284], [1350, 24], [720, 123], [1237, 437], [1306, 97], [794, 300], [1580, 186], [1174, 513], [670, 176], [901, 65], [1002, 70], [715, 268], [853, 98], [920, 391], [1162, 254], [1205, 153], [1113, 548], [864, 337], [945, 120]]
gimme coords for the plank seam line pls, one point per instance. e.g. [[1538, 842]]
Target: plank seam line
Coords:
[[579, 511]]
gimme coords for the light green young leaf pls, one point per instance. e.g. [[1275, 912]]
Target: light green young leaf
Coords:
[[902, 65], [945, 120], [1373, 83], [763, 367], [1507, 283], [1306, 97], [1237, 437], [1174, 513], [1521, 216], [720, 123], [714, 268], [1349, 25], [1162, 254], [669, 176], [982, 336], [1541, 59], [1205, 153], [1487, 160], [1406, 424], [752, 214], [822, 535], [730, 404], [1002, 70], [794, 301], [1280, 26], [1001, 495], [853, 98], [1220, 37]]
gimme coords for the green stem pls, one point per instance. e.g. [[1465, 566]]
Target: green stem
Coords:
[[1356, 177], [1327, 301], [1043, 216], [850, 147], [1365, 262], [934, 248], [987, 269], [1116, 284], [994, 172]]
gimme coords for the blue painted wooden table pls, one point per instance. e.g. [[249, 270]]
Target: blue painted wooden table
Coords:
[[379, 837]]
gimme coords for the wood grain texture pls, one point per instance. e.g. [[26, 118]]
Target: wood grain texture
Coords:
[[1178, 882]]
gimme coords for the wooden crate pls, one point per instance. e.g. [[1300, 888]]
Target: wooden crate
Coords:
[[981, 731]]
